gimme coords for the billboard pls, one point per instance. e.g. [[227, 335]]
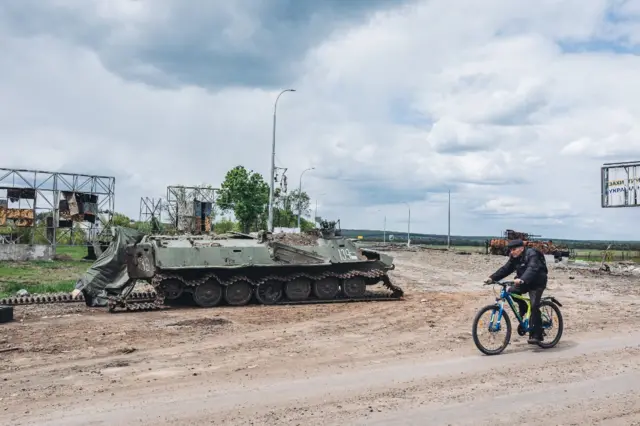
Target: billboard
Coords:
[[620, 184]]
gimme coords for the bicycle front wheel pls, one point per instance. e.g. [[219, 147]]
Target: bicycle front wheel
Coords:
[[491, 327]]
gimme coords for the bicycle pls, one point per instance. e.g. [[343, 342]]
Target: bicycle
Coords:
[[523, 323]]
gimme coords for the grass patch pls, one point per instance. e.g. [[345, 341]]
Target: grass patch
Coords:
[[40, 276], [75, 252], [9, 289], [616, 255]]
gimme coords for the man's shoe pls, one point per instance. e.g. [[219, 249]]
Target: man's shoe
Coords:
[[534, 340]]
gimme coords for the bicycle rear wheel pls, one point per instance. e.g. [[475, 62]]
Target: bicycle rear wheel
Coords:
[[505, 322], [549, 322]]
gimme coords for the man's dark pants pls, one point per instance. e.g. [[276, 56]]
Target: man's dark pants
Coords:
[[535, 295]]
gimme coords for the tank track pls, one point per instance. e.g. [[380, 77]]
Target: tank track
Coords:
[[381, 274], [120, 304], [376, 273], [115, 307], [66, 298], [131, 304]]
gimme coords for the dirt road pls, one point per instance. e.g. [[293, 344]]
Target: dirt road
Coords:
[[369, 363], [581, 383]]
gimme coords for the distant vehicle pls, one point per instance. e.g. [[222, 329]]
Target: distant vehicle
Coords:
[[498, 246]]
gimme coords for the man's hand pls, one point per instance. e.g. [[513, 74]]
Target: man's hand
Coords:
[[516, 285], [488, 281]]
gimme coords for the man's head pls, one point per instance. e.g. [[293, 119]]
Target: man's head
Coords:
[[515, 247]]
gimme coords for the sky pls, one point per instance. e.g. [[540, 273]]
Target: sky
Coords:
[[512, 106]]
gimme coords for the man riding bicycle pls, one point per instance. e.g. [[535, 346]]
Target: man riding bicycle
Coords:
[[531, 275]]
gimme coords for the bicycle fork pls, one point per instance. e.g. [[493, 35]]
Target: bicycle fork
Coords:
[[493, 314]]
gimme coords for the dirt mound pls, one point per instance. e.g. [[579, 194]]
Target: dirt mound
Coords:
[[296, 239]]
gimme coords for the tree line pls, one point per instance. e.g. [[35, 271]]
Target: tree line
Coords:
[[245, 193], [480, 241]]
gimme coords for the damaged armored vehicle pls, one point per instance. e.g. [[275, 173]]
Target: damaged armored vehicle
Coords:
[[234, 268]]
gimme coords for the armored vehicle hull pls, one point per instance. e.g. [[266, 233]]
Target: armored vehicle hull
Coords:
[[237, 268]]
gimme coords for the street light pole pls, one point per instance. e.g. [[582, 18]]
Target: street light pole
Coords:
[[300, 195], [273, 162]]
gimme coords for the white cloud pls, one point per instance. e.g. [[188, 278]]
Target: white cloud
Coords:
[[416, 99], [519, 207]]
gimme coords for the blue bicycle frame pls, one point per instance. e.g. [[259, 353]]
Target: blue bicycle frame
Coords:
[[508, 297]]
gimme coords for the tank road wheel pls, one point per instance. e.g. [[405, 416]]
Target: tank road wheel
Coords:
[[298, 289], [326, 288], [354, 287], [172, 288], [269, 293], [208, 294], [239, 293]]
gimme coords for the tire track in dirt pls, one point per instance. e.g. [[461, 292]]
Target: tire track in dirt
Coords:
[[192, 400], [578, 397]]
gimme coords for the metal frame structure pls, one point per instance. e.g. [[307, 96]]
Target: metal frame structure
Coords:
[[629, 185], [40, 192], [284, 189], [149, 208], [180, 205]]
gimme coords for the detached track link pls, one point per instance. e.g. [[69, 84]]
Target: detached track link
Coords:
[[33, 300], [66, 298], [138, 307]]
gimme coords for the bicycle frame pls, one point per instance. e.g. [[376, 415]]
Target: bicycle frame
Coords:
[[509, 298]]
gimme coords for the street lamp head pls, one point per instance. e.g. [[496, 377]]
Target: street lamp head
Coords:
[[291, 90]]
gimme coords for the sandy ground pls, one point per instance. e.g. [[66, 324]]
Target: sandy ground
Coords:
[[356, 363]]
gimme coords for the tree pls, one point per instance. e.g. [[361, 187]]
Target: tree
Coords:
[[286, 209], [306, 225], [300, 200], [246, 194], [225, 225], [122, 220]]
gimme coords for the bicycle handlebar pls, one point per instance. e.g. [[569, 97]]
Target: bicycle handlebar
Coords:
[[502, 283]]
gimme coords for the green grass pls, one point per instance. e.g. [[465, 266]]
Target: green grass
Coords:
[[43, 276], [616, 255], [470, 249], [76, 252]]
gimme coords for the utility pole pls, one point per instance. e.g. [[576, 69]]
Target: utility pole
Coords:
[[449, 223], [384, 232], [315, 215], [300, 195], [273, 162]]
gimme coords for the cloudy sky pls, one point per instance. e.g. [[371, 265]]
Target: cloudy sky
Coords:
[[513, 106]]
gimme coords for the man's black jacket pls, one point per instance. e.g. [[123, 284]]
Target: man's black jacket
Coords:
[[530, 267]]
